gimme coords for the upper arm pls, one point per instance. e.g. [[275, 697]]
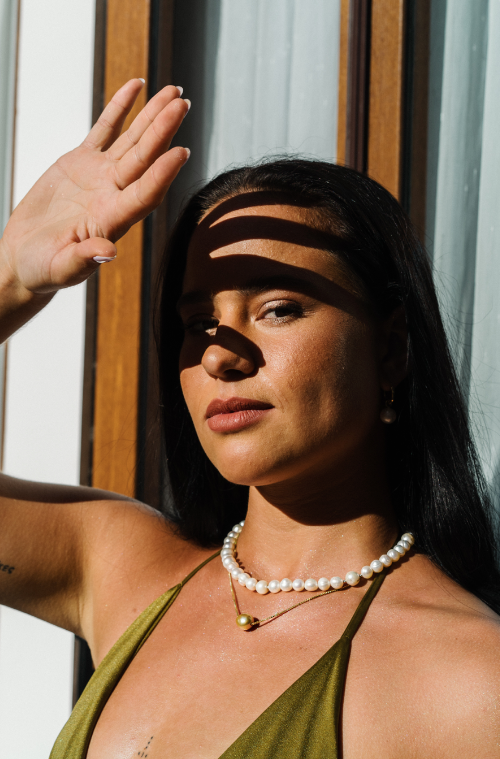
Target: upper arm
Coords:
[[45, 533]]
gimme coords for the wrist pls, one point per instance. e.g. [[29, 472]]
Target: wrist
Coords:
[[17, 304]]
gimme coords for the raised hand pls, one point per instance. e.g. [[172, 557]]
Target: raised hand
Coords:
[[90, 197]]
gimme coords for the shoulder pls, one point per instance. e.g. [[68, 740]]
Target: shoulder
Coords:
[[133, 555], [448, 642], [460, 682], [128, 540]]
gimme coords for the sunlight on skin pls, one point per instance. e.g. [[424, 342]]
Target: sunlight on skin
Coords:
[[314, 352]]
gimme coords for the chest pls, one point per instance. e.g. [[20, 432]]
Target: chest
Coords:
[[198, 683]]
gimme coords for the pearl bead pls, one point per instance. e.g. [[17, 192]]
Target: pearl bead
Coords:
[[245, 621], [242, 523], [230, 561], [352, 578], [388, 415], [311, 584]]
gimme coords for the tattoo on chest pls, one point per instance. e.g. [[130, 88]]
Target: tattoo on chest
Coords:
[[6, 568], [146, 749]]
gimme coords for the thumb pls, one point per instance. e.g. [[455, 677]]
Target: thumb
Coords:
[[95, 248], [78, 261]]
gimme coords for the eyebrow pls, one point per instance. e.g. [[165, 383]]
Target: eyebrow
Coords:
[[254, 287]]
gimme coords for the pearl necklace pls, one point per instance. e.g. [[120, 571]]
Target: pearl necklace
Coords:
[[231, 563]]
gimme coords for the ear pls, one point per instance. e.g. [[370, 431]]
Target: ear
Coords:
[[394, 353]]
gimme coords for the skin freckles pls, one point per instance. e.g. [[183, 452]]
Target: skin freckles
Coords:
[[309, 349]]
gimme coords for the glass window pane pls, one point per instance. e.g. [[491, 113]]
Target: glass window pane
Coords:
[[263, 78], [463, 202]]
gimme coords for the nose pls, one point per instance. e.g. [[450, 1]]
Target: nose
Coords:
[[230, 355]]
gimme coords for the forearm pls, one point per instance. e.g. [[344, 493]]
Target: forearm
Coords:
[[17, 304]]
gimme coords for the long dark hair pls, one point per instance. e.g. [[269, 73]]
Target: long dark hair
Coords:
[[437, 485]]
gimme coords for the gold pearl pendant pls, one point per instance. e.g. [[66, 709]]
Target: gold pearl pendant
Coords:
[[245, 621]]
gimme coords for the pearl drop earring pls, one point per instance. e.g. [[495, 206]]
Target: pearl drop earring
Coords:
[[388, 415]]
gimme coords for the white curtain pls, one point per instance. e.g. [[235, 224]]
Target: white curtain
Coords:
[[8, 36], [263, 78], [276, 77], [463, 208], [8, 40]]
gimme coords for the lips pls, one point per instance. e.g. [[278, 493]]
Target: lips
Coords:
[[233, 405], [235, 414]]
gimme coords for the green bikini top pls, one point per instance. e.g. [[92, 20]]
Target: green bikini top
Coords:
[[302, 722]]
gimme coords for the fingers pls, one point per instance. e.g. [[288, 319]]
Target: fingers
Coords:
[[144, 195], [155, 141], [144, 119], [110, 122]]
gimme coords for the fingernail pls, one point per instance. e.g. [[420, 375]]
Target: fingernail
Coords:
[[188, 104], [188, 153], [181, 90], [103, 259], [142, 80]]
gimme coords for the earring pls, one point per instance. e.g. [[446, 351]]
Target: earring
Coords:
[[388, 415]]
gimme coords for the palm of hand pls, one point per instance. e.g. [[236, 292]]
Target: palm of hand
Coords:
[[91, 196]]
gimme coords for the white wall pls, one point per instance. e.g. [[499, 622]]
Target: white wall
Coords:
[[45, 362]]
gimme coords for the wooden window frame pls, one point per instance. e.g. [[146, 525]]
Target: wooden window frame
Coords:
[[121, 443], [383, 92]]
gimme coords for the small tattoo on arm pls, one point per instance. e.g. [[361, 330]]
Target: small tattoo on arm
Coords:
[[6, 568], [146, 748]]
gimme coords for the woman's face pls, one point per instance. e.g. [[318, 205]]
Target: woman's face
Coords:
[[281, 362]]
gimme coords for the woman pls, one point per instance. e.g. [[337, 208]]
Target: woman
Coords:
[[297, 315]]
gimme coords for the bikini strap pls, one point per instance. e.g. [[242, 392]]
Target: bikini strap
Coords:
[[197, 569], [363, 606]]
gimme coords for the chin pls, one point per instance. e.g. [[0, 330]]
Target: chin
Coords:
[[244, 472], [251, 465]]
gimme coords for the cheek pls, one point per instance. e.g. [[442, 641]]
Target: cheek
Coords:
[[331, 369], [193, 378]]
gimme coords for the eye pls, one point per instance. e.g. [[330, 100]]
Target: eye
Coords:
[[202, 325], [281, 311]]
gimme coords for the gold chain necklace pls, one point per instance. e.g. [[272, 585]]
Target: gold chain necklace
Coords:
[[246, 621]]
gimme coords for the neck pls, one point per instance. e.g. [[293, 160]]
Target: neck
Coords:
[[314, 525]]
